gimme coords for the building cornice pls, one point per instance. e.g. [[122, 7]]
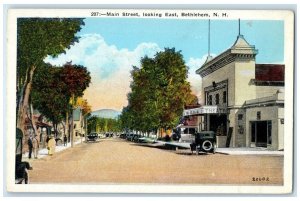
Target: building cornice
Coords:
[[241, 50]]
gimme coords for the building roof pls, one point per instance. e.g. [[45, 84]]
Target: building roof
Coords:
[[240, 48], [269, 72], [241, 42]]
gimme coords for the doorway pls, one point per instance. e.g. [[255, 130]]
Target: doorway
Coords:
[[261, 133], [218, 124]]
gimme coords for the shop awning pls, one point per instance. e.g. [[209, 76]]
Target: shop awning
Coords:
[[207, 109]]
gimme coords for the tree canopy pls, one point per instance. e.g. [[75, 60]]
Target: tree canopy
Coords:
[[39, 37], [159, 92], [36, 39], [53, 87], [98, 124]]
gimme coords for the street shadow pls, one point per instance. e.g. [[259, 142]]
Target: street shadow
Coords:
[[92, 142], [162, 147], [147, 145], [222, 153], [192, 154]]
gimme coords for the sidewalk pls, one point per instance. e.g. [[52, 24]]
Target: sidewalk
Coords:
[[44, 151], [248, 151], [226, 151]]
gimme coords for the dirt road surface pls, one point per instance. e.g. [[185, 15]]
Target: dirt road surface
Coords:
[[119, 161]]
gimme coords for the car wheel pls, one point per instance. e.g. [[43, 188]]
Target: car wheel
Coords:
[[207, 145]]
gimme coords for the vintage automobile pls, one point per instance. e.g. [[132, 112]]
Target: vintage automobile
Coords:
[[205, 141], [129, 136], [187, 133], [93, 136], [21, 167]]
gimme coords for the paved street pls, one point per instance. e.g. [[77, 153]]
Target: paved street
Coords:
[[118, 161]]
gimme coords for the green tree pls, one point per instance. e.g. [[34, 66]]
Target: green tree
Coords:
[[77, 78], [92, 124], [52, 90], [48, 96], [159, 92], [36, 39], [99, 124]]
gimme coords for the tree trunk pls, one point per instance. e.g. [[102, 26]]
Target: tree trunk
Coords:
[[23, 100], [55, 129], [67, 126], [32, 120], [64, 128]]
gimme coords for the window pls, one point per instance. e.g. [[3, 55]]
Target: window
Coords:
[[217, 99], [192, 131], [240, 117], [209, 100], [224, 96]]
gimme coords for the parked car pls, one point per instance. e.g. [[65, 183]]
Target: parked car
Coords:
[[129, 136], [205, 141], [187, 133], [123, 135], [92, 136], [136, 137]]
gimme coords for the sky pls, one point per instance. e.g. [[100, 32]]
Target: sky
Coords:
[[109, 47]]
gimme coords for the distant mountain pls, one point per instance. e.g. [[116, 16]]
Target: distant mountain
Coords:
[[106, 113]]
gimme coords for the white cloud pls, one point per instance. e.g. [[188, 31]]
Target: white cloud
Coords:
[[193, 78], [109, 66], [110, 69]]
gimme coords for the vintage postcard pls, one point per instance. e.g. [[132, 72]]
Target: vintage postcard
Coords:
[[150, 101]]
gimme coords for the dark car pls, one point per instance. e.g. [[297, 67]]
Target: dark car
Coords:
[[92, 136], [123, 135], [129, 137], [205, 141], [136, 137]]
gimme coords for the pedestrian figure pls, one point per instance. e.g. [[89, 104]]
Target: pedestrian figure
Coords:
[[65, 140], [51, 145], [30, 146], [36, 146]]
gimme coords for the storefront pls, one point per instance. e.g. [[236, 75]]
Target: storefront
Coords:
[[243, 102], [210, 118]]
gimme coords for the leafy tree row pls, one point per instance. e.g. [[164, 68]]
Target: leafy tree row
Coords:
[[98, 124], [159, 92], [36, 39]]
